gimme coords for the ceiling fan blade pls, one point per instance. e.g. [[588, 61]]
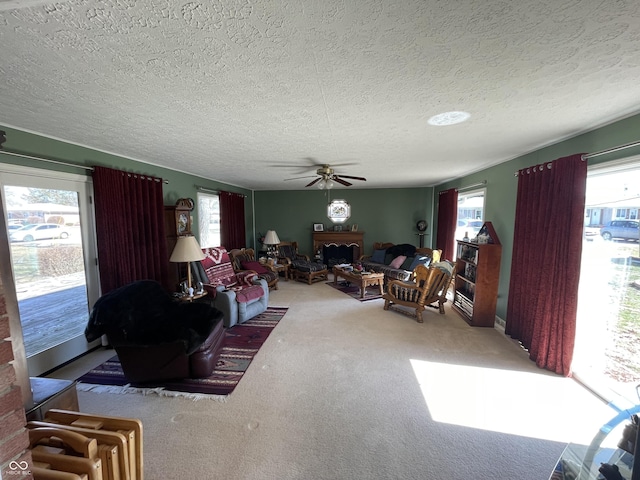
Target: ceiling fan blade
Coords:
[[314, 182], [354, 178], [298, 178], [343, 182]]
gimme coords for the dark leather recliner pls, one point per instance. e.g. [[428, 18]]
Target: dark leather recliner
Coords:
[[156, 336]]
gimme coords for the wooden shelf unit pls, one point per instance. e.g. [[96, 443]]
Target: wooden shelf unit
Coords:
[[477, 274]]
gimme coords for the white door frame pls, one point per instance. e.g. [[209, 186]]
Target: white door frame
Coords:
[[41, 178]]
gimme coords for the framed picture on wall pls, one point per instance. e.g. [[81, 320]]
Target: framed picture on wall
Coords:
[[318, 227]]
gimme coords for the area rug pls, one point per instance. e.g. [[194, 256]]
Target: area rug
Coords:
[[239, 347], [371, 293]]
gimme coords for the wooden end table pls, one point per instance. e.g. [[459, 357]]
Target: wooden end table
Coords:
[[362, 280], [282, 267], [195, 296]]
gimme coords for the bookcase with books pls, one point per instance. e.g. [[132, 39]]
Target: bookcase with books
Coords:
[[476, 276]]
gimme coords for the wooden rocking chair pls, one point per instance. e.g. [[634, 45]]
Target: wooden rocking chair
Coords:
[[427, 286]]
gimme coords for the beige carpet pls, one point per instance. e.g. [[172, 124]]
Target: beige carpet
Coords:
[[345, 390]]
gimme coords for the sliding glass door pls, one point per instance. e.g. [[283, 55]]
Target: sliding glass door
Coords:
[[50, 234], [607, 353]]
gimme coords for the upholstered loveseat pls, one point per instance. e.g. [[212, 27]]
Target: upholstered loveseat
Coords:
[[397, 262]]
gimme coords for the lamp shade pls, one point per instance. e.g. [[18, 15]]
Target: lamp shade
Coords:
[[271, 238], [187, 249]]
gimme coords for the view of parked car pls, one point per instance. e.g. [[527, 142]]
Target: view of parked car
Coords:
[[469, 227], [38, 231], [625, 229]]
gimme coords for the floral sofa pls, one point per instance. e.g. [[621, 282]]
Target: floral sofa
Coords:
[[398, 261]]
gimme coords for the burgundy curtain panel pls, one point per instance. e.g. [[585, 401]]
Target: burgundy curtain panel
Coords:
[[232, 231], [447, 222], [130, 228], [545, 268]]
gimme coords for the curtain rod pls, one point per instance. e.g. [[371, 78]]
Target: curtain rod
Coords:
[[601, 152], [483, 182], [200, 188], [611, 150], [57, 162], [45, 160]]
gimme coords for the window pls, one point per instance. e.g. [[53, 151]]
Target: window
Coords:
[[470, 213], [209, 219]]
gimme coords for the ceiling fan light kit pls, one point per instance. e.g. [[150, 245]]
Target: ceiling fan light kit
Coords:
[[327, 178]]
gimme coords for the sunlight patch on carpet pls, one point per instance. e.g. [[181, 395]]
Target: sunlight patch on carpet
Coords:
[[507, 401]]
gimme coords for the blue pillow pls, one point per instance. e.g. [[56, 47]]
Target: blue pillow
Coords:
[[378, 256], [420, 259]]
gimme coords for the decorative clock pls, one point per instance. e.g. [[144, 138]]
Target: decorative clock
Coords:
[[180, 217], [183, 226]]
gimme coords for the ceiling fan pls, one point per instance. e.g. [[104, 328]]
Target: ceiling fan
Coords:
[[326, 176]]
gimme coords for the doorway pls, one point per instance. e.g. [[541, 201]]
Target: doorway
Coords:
[[607, 350], [53, 261]]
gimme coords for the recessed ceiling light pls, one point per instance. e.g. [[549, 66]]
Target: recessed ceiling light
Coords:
[[448, 118]]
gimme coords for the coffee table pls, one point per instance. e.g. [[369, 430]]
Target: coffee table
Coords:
[[363, 280]]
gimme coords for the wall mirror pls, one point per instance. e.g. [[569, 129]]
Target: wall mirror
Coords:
[[338, 211]]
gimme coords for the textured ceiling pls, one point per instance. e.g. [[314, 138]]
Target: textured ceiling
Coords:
[[234, 90]]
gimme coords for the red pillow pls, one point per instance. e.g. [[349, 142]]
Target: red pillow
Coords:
[[255, 266]]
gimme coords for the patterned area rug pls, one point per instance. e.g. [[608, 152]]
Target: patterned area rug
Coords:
[[353, 290], [239, 347]]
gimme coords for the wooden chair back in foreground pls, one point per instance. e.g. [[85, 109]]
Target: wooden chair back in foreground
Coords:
[[428, 286], [64, 451], [130, 427]]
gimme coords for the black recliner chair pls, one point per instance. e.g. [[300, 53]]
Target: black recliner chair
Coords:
[[157, 337]]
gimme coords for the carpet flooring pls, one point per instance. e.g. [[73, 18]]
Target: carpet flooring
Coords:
[[371, 293], [239, 347]]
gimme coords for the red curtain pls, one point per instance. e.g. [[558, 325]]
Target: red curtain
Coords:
[[232, 231], [447, 222], [130, 228], [545, 268]]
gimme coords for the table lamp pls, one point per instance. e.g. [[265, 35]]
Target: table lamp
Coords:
[[271, 240], [187, 250]]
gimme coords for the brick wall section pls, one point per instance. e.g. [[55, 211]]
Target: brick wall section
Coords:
[[14, 439]]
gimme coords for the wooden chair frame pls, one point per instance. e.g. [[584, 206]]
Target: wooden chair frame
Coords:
[[235, 255], [428, 285]]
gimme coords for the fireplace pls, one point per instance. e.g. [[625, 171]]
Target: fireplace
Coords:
[[338, 247]]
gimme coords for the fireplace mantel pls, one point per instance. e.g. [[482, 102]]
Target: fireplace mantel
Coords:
[[321, 239]]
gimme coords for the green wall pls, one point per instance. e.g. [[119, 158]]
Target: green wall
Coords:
[[501, 188], [384, 215], [181, 185]]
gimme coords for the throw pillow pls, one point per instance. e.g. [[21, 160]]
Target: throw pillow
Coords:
[[406, 265], [418, 260], [378, 256], [396, 262], [255, 266]]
